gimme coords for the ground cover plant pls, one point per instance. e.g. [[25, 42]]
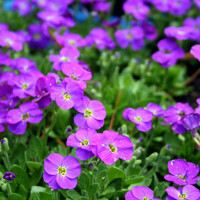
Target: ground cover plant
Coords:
[[99, 100]]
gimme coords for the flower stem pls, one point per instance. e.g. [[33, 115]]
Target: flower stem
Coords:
[[7, 161]]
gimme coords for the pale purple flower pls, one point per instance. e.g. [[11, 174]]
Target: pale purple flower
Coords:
[[102, 6], [195, 51], [168, 54], [40, 3], [18, 118], [155, 109], [61, 172], [179, 7], [162, 5], [110, 146], [76, 73], [67, 54], [24, 65], [67, 95], [141, 117], [188, 192], [82, 141], [23, 6], [150, 31], [140, 193], [182, 172], [180, 33], [92, 114], [197, 2], [137, 8]]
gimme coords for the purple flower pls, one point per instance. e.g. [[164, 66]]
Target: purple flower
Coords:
[[71, 39], [24, 86], [136, 8], [58, 6], [67, 54], [168, 54], [188, 192], [140, 193], [3, 113], [67, 95], [82, 141], [141, 117], [195, 51], [17, 118], [40, 3], [179, 7], [76, 73], [180, 33], [134, 36], [155, 109], [92, 114], [61, 173], [197, 2], [111, 23], [9, 176], [182, 172], [24, 65], [174, 115], [150, 31], [23, 6], [162, 5], [110, 146], [102, 6], [11, 40]]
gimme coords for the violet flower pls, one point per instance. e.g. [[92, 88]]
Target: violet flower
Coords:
[[110, 146], [161, 5], [76, 73], [23, 6], [24, 65], [136, 8], [150, 31], [141, 117], [61, 172], [188, 192], [195, 51], [179, 7], [17, 118], [140, 193], [82, 141], [92, 114], [67, 95], [197, 3], [102, 6], [9, 176], [67, 54], [182, 172], [155, 109], [168, 54]]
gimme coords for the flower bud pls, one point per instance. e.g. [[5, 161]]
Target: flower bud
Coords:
[[152, 157], [4, 145]]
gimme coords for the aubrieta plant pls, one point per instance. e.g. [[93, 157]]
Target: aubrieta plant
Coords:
[[99, 100]]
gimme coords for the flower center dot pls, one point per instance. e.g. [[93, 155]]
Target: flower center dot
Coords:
[[183, 196], [129, 36], [62, 170], [64, 58], [25, 116], [37, 36], [66, 96], [113, 149], [85, 142], [72, 42], [73, 77], [24, 86], [88, 113], [182, 177], [181, 114], [138, 119], [145, 198]]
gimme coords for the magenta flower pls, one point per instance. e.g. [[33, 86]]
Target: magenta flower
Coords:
[[195, 51], [162, 5], [17, 118], [76, 73], [23, 6], [197, 2], [61, 173], [67, 54], [102, 6], [168, 54], [174, 115], [188, 192], [140, 193], [134, 37], [92, 114], [155, 109], [182, 172], [24, 65], [82, 141], [179, 7], [141, 117], [137, 8], [11, 40], [110, 146], [150, 31], [24, 86], [67, 95]]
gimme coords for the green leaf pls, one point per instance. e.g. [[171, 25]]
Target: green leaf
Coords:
[[115, 173], [84, 181], [15, 196], [94, 189], [109, 192], [134, 180], [37, 189], [21, 176], [36, 147], [73, 194]]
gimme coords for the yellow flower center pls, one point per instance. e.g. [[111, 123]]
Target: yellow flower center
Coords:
[[145, 198], [24, 86], [72, 42], [85, 142], [113, 149], [88, 113], [73, 77], [138, 119], [66, 96], [183, 196], [182, 177], [37, 36], [64, 58], [25, 116], [129, 36], [62, 170]]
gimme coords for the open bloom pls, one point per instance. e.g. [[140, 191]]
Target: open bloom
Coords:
[[140, 193], [141, 117], [61, 172], [17, 118], [110, 146], [82, 141], [195, 51], [188, 192], [155, 109], [23, 6], [92, 114], [182, 172]]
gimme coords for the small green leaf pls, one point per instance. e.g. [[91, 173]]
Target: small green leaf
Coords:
[[15, 196], [109, 192], [84, 181], [134, 180], [115, 173]]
